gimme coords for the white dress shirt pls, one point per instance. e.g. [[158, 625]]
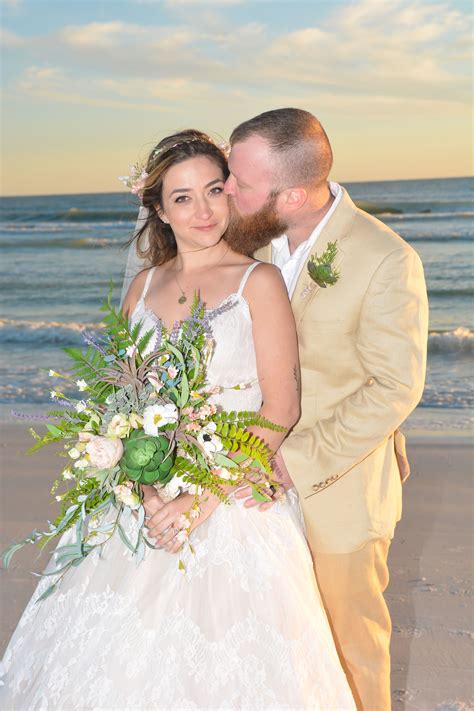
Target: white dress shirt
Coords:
[[291, 265]]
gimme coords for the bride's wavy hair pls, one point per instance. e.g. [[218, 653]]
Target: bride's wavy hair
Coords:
[[170, 151]]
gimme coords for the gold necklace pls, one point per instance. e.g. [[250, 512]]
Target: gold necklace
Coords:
[[183, 298]]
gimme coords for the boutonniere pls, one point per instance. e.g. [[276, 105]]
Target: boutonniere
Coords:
[[320, 268]]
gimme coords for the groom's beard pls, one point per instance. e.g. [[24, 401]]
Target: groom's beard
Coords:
[[247, 233]]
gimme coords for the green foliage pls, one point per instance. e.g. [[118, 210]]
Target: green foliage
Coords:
[[320, 268], [200, 477], [244, 419], [147, 459], [121, 378]]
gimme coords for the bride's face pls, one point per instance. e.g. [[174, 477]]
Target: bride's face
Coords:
[[194, 203]]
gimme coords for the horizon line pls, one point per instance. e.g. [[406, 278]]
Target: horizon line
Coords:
[[342, 182]]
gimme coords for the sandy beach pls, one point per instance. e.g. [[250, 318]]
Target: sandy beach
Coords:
[[430, 593]]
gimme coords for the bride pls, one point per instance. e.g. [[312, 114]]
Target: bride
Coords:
[[244, 627]]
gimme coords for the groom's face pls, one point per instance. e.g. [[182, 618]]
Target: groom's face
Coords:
[[251, 181], [253, 200]]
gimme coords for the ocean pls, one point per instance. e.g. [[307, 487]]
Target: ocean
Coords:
[[59, 254]]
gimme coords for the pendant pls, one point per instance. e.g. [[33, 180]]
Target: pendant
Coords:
[[182, 299]]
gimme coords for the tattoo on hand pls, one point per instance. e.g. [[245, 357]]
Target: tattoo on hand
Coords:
[[276, 469], [296, 374]]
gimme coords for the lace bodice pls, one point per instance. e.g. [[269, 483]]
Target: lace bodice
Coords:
[[233, 361]]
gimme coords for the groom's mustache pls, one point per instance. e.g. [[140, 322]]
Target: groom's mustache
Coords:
[[247, 233]]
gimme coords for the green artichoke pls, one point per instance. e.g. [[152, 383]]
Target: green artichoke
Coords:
[[144, 458]]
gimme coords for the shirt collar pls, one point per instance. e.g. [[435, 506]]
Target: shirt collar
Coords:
[[280, 243]]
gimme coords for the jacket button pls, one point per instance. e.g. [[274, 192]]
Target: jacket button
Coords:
[[370, 381]]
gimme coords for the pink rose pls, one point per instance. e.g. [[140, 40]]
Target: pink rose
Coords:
[[104, 452]]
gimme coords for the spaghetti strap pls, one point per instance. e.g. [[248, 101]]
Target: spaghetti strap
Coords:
[[147, 283], [248, 272]]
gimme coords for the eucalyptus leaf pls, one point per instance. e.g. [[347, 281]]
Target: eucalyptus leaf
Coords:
[[10, 551], [227, 462], [239, 458], [184, 390], [125, 538], [140, 551], [141, 517], [258, 496], [175, 352], [49, 591]]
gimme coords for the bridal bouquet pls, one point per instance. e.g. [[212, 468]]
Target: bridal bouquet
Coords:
[[143, 416]]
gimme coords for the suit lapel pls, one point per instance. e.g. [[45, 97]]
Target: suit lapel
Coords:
[[337, 230], [264, 254]]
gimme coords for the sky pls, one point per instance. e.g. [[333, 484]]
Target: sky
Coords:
[[88, 87]]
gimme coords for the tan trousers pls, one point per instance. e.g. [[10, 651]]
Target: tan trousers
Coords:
[[352, 586]]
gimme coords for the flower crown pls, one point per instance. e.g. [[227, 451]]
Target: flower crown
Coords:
[[138, 175]]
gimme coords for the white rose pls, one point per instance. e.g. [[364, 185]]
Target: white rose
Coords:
[[104, 452], [127, 496], [157, 416], [81, 464], [175, 487], [136, 421], [119, 426]]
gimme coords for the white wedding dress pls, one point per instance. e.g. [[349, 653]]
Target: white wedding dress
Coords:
[[243, 628]]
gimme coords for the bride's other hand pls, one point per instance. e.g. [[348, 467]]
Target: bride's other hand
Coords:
[[164, 525], [151, 501], [281, 474]]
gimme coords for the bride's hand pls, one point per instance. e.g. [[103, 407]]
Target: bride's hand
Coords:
[[165, 524], [151, 501], [281, 474]]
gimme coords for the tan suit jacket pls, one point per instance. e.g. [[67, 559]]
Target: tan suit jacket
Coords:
[[362, 345]]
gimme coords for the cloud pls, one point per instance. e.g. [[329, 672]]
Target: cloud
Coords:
[[164, 89], [375, 47], [36, 79], [10, 39], [101, 34], [384, 52]]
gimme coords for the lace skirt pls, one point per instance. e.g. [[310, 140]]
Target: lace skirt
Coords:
[[242, 628]]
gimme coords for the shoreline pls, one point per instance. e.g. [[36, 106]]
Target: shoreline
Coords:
[[430, 588], [424, 424]]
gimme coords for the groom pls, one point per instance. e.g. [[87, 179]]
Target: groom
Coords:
[[362, 344]]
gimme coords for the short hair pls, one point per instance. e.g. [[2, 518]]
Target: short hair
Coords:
[[299, 144]]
